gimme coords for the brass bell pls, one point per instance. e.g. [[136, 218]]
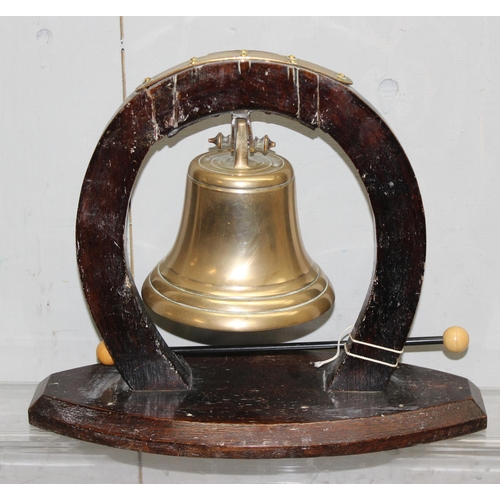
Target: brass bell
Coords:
[[238, 263]]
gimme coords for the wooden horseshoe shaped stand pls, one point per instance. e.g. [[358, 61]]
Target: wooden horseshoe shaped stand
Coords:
[[273, 405]]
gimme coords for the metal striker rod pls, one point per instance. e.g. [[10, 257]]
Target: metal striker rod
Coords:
[[295, 346]]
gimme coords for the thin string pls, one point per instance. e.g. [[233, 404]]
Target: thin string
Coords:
[[377, 346], [343, 335], [373, 360]]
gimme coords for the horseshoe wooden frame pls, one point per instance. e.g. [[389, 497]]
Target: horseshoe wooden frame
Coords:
[[150, 386]]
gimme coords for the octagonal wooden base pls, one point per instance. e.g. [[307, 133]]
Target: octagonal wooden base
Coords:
[[269, 406]]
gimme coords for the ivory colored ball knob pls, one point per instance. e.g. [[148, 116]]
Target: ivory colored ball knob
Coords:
[[103, 354], [456, 339]]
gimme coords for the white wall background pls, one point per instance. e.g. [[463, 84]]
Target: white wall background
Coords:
[[436, 81]]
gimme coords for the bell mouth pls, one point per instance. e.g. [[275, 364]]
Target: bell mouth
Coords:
[[251, 310]]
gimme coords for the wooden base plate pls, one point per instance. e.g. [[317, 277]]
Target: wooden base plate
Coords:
[[266, 406]]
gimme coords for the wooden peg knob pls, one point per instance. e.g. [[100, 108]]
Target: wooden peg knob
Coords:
[[103, 355], [456, 339]]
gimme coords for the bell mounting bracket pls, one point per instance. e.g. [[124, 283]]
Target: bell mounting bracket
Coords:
[[246, 406]]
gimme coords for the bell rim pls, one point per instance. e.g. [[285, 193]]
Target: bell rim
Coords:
[[311, 302]]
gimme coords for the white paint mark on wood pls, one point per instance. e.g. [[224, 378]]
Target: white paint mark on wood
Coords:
[[156, 127]]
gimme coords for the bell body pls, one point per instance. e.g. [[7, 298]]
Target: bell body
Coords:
[[238, 263]]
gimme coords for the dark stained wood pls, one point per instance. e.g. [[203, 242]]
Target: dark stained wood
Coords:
[[271, 406], [190, 95], [141, 354]]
